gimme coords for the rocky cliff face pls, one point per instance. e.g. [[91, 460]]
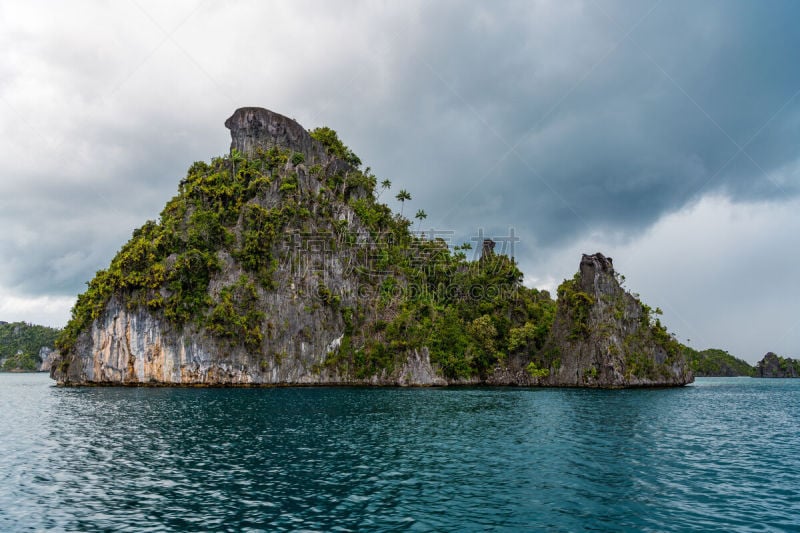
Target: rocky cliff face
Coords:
[[775, 366], [277, 266], [137, 348], [605, 337]]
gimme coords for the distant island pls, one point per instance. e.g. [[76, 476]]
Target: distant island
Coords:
[[279, 265], [775, 366], [26, 347], [717, 363]]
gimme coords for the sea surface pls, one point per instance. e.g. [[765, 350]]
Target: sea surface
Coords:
[[719, 455]]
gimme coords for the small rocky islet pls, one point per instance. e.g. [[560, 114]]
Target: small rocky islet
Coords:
[[773, 365], [279, 265]]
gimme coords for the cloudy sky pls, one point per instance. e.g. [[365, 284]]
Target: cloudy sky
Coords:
[[664, 134]]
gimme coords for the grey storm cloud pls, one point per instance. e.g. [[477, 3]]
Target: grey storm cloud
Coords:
[[616, 136], [571, 122]]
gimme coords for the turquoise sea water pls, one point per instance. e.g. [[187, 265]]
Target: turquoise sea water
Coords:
[[720, 455]]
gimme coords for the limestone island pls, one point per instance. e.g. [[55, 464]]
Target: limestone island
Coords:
[[278, 265], [773, 365]]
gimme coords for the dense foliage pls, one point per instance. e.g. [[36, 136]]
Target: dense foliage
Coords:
[[715, 362], [470, 315], [20, 343]]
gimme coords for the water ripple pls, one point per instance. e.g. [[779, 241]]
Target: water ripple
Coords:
[[717, 456]]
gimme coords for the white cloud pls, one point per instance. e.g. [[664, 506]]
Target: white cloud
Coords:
[[45, 310]]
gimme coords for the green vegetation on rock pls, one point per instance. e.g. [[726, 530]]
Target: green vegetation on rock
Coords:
[[580, 304], [167, 265], [335, 147], [470, 315]]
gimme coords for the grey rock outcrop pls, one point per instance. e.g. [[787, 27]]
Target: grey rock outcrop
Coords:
[[597, 275], [256, 128]]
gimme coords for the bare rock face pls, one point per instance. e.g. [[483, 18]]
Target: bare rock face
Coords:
[[256, 128], [417, 371], [134, 347], [46, 356]]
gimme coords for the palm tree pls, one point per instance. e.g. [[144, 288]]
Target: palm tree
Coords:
[[402, 196], [420, 216], [385, 185]]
